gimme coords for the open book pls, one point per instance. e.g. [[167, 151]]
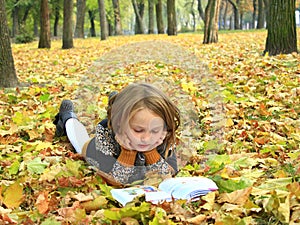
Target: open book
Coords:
[[189, 188]]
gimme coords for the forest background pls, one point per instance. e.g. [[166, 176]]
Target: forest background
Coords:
[[251, 97]]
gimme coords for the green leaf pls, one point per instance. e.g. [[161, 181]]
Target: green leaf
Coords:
[[73, 167], [50, 221], [231, 185], [14, 168], [45, 97], [36, 166]]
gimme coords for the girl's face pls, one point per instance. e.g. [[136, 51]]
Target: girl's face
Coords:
[[146, 130]]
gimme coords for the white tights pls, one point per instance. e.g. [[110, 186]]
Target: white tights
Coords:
[[77, 134]]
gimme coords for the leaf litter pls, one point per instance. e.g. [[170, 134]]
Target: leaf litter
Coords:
[[243, 131]]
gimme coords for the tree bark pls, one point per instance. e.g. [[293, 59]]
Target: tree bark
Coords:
[[68, 25], [56, 13], [79, 29], [117, 16], [15, 17], [211, 22], [45, 36], [103, 23], [224, 18], [171, 14], [236, 15], [8, 77], [282, 35], [200, 10], [139, 13], [151, 17], [254, 13], [159, 17], [92, 23], [261, 15]]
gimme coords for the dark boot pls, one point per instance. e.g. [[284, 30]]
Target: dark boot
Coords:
[[66, 111]]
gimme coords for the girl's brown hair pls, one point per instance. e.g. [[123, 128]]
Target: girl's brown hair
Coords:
[[142, 95]]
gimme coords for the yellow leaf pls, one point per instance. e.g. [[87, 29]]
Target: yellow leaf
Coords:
[[239, 197], [13, 195], [210, 200], [43, 145], [197, 219], [229, 122]]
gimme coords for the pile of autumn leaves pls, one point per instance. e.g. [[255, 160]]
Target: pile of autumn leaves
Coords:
[[257, 167]]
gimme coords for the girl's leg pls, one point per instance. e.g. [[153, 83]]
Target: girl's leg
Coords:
[[76, 133]]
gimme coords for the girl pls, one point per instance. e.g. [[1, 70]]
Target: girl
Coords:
[[138, 136]]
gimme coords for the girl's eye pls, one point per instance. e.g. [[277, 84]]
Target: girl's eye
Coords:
[[138, 131], [155, 131]]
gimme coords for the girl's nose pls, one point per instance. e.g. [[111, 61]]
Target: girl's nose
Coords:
[[145, 137]]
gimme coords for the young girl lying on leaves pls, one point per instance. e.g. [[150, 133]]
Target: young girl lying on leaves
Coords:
[[137, 137]]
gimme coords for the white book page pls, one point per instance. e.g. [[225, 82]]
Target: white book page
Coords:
[[126, 195], [182, 187]]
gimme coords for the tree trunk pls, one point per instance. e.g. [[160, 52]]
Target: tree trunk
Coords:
[[222, 14], [92, 23], [103, 23], [15, 17], [224, 18], [200, 10], [236, 15], [117, 16], [159, 17], [79, 29], [45, 36], [261, 15], [68, 25], [56, 18], [139, 13], [254, 14], [282, 36], [211, 22], [8, 77], [171, 15], [151, 16]]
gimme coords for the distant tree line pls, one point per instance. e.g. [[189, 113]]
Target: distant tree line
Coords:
[[131, 16], [23, 20]]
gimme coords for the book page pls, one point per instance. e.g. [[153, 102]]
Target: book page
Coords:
[[125, 195], [187, 187]]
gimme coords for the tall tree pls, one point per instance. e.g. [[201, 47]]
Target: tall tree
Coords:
[[282, 35], [171, 15], [80, 15], [56, 8], [261, 15], [92, 23], [200, 10], [15, 17], [211, 21], [159, 17], [235, 13], [8, 77], [117, 17], [151, 16], [103, 23], [254, 14], [45, 36], [68, 25], [138, 8]]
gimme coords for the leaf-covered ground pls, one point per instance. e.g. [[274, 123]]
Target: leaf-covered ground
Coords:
[[237, 103]]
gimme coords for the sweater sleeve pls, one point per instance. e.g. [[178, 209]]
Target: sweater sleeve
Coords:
[[155, 162], [115, 166]]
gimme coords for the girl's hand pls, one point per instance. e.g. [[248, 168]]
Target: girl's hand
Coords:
[[124, 141]]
